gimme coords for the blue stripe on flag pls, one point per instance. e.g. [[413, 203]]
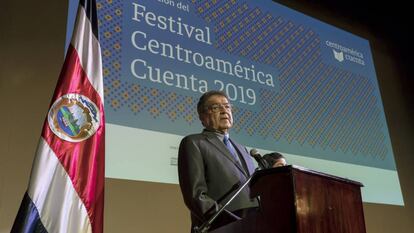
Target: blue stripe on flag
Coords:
[[28, 219]]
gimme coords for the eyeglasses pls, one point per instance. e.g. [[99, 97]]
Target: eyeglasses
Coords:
[[218, 107]]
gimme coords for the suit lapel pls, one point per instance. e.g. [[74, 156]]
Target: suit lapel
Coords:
[[246, 157], [223, 149]]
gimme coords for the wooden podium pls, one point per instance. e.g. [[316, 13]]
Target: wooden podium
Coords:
[[299, 200]]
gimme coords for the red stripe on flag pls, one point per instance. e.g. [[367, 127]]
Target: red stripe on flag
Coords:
[[84, 161]]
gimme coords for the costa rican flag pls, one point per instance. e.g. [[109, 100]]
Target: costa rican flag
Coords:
[[66, 189]]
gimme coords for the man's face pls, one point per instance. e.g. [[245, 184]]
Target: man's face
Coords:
[[218, 114]]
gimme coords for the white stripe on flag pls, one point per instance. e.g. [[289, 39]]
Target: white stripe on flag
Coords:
[[53, 194], [84, 41]]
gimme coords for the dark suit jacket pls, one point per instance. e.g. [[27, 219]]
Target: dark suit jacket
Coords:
[[207, 171]]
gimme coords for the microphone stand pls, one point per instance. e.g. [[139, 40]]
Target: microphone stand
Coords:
[[206, 225]]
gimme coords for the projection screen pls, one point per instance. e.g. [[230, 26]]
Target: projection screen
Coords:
[[299, 86]]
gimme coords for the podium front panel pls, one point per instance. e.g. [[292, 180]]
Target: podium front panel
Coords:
[[326, 204]]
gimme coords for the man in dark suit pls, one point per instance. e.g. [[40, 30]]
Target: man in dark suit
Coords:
[[208, 168]]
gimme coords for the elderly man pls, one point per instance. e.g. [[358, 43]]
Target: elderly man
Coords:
[[210, 164]]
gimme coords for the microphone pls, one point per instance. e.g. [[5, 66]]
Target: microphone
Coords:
[[260, 161]]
